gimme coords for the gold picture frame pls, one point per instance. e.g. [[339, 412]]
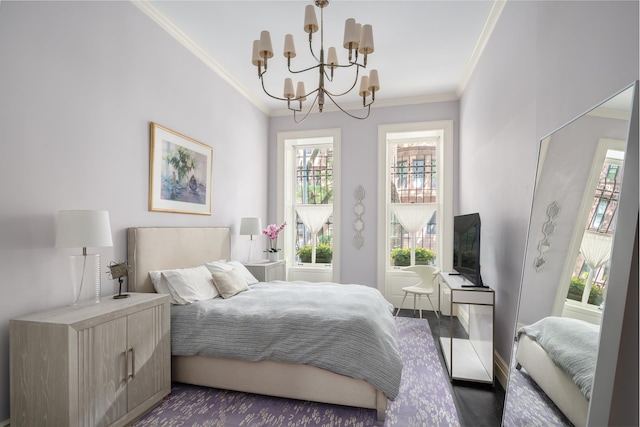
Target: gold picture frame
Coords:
[[180, 173]]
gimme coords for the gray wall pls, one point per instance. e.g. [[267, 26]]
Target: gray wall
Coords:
[[545, 64], [359, 141], [79, 84], [80, 81]]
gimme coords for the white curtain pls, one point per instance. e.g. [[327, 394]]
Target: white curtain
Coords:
[[413, 217], [596, 249], [313, 217]]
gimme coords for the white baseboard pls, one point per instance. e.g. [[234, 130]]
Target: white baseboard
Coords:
[[501, 370]]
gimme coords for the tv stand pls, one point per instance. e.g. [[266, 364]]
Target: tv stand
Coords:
[[468, 356]]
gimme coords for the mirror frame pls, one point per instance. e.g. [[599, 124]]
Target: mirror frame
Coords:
[[619, 276], [622, 260]]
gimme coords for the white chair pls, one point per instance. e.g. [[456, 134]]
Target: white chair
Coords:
[[426, 286]]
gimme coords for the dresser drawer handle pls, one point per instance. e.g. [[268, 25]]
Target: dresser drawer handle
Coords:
[[133, 363]]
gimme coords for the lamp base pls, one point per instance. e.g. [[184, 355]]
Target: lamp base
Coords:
[[85, 277]]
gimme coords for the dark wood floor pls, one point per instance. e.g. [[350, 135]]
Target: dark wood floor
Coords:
[[477, 404]]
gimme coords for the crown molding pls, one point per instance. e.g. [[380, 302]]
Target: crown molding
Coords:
[[152, 12], [485, 35]]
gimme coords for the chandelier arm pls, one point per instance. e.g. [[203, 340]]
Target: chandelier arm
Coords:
[[272, 96], [368, 106], [287, 99], [307, 113], [311, 50], [303, 71], [355, 82], [351, 64], [283, 99]]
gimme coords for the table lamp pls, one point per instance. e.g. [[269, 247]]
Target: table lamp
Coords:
[[82, 229], [250, 226]]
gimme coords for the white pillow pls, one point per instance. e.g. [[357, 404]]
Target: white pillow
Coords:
[[161, 286], [189, 285], [217, 266], [229, 283], [244, 271]]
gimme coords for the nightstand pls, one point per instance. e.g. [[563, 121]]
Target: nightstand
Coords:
[[267, 271]]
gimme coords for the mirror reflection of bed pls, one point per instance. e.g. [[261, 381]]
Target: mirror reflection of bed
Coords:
[[570, 264]]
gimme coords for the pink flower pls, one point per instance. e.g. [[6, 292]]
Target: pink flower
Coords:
[[272, 232]]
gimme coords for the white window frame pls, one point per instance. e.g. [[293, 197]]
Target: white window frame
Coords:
[[444, 196], [563, 306], [285, 199]]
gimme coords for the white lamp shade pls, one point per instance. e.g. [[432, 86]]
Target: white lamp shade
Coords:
[[256, 59], [310, 21], [366, 40], [351, 34], [364, 86], [288, 89], [82, 229], [374, 83], [266, 51], [289, 47], [250, 226], [300, 92], [332, 58]]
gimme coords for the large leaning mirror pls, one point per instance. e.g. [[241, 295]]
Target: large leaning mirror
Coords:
[[570, 266]]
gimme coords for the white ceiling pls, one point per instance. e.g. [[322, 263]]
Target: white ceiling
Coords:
[[424, 50]]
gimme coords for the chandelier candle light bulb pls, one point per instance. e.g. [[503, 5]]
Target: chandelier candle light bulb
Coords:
[[358, 39]]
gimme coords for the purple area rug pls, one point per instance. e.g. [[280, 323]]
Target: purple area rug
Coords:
[[424, 400], [527, 405]]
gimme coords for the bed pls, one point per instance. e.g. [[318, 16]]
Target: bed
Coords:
[[559, 354], [162, 248]]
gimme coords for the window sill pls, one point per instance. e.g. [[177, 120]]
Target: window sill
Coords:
[[311, 267], [576, 310]]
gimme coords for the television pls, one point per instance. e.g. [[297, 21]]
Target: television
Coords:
[[466, 248]]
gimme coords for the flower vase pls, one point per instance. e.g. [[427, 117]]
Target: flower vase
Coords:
[[273, 256]]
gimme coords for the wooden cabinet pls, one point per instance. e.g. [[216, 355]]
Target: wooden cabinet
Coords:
[[268, 271], [91, 364]]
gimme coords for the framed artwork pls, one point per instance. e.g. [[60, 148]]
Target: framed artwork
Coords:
[[180, 173]]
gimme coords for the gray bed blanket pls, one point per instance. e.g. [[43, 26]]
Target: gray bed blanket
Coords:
[[572, 345], [346, 329]]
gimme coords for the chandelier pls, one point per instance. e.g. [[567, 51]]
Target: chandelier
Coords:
[[358, 40]]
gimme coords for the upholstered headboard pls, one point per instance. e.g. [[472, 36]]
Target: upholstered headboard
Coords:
[[163, 248]]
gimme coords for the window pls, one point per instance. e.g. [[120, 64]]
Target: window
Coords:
[[590, 272], [412, 232], [415, 191], [314, 203], [307, 197], [601, 208], [418, 173], [401, 174], [612, 173]]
